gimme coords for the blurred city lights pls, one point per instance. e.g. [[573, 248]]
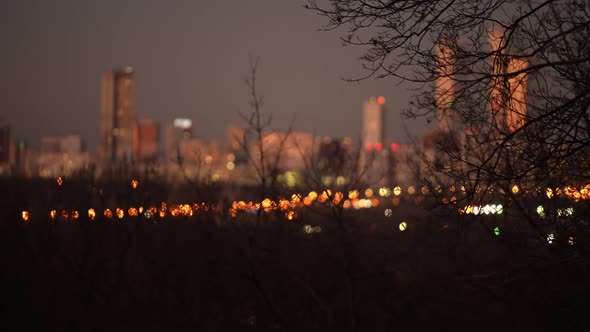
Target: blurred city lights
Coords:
[[482, 209], [384, 192], [291, 215], [388, 212], [132, 212], [549, 193], [497, 231], [308, 229], [567, 212], [425, 190], [403, 226], [541, 211]]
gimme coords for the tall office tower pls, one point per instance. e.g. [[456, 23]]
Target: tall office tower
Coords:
[[508, 99], [117, 115], [181, 130], [497, 43], [4, 144], [374, 123], [372, 162], [517, 85], [444, 91], [146, 140]]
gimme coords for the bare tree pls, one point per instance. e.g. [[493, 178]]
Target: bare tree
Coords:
[[264, 156], [506, 81]]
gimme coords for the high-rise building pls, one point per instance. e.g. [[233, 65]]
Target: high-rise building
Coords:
[[146, 141], [4, 144], [373, 159], [117, 115], [517, 85], [444, 91], [181, 129], [508, 101], [374, 123]]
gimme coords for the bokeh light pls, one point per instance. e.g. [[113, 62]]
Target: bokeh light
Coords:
[[403, 226]]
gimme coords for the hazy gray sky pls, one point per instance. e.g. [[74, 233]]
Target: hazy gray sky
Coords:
[[190, 57]]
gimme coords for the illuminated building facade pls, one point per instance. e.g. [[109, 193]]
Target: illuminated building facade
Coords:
[[444, 87], [516, 107], [146, 141], [508, 99], [117, 115], [374, 157], [373, 123]]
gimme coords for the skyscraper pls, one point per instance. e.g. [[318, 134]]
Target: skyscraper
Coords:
[[517, 85], [508, 99], [444, 86], [374, 123], [373, 159], [117, 115], [146, 141]]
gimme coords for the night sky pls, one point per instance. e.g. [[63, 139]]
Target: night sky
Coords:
[[190, 58]]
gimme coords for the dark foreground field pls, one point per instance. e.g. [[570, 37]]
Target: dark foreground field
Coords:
[[212, 273]]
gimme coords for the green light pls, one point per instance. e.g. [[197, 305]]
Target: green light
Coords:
[[497, 231], [291, 178], [541, 211]]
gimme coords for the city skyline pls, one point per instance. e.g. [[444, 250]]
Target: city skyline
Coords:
[[190, 62]]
